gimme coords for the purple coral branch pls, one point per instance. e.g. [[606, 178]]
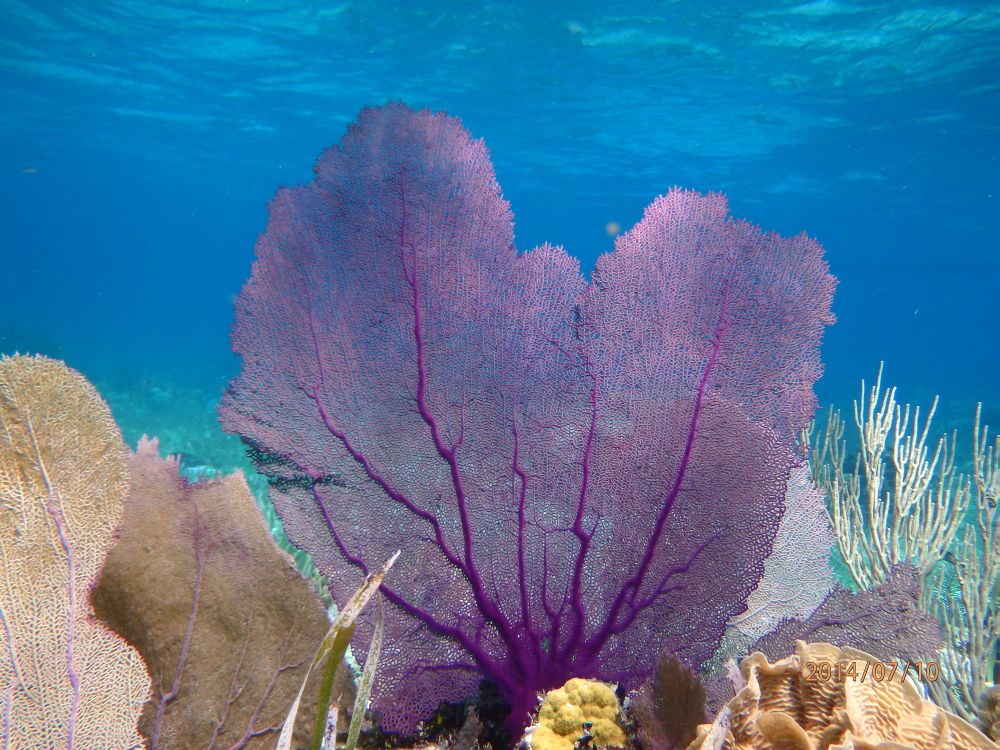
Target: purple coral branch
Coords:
[[479, 654], [576, 588], [487, 664], [661, 587], [409, 209], [486, 605], [521, 545], [468, 569], [554, 617], [356, 560], [370, 471], [631, 586], [635, 609], [379, 480]]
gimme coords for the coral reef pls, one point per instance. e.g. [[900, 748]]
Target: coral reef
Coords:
[[904, 503], [828, 697]]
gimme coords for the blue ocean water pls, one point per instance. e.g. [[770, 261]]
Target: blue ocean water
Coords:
[[141, 141]]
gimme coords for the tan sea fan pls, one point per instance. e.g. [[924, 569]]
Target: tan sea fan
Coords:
[[66, 681]]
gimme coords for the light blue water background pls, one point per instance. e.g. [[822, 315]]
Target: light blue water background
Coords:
[[140, 142]]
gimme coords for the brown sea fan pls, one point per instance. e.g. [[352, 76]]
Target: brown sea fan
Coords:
[[669, 706], [217, 610]]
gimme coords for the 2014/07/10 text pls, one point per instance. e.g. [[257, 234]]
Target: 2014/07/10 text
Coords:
[[879, 671]]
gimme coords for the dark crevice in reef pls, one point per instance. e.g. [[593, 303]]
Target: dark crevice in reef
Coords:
[[444, 726]]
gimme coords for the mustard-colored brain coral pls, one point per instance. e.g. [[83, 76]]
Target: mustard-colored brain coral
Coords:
[[564, 710]]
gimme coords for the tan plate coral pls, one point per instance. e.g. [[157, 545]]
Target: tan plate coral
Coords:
[[788, 706]]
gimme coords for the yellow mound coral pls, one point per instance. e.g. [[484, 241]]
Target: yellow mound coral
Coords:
[[564, 710], [784, 706]]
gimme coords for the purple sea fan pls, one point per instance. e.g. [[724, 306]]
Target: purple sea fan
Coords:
[[579, 475]]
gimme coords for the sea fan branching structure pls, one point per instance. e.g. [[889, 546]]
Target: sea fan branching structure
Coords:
[[580, 474]]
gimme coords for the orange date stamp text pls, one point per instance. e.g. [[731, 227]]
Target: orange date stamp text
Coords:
[[878, 671]]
